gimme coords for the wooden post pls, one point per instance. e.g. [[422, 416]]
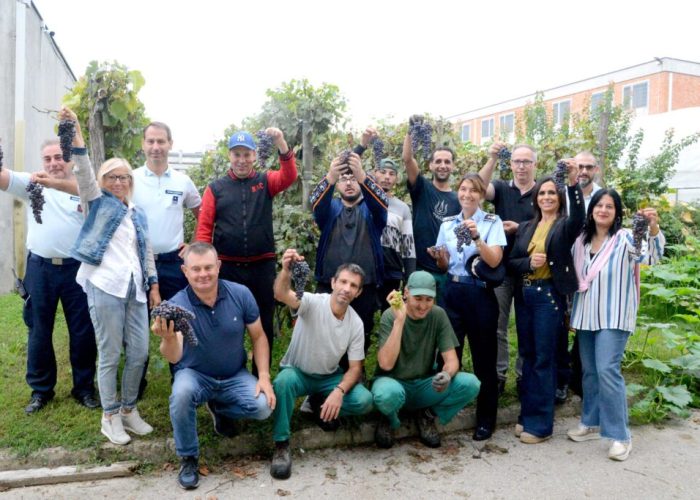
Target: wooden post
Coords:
[[307, 151]]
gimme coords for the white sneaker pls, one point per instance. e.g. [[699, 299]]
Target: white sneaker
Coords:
[[584, 433], [306, 406], [114, 430], [134, 423], [619, 450], [519, 429]]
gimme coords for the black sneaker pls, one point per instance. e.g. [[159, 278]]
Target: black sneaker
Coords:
[[188, 477], [426, 428], [223, 426], [383, 434], [36, 404], [281, 467], [561, 395]]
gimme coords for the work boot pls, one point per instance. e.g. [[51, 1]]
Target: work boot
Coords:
[[427, 431], [281, 467]]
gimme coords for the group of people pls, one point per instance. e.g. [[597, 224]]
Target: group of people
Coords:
[[111, 248]]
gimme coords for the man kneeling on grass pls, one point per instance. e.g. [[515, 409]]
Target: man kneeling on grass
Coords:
[[326, 329], [409, 335], [213, 372]]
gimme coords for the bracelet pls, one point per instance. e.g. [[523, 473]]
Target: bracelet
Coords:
[[340, 389]]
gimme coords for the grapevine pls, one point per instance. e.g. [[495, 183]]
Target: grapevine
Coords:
[[560, 174], [36, 199], [378, 150], [504, 158], [300, 277], [180, 316], [66, 132], [639, 231], [265, 147], [464, 236]]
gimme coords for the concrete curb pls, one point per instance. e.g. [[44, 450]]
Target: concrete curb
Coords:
[[310, 438]]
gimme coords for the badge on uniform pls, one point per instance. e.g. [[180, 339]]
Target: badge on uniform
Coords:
[[490, 218], [175, 199]]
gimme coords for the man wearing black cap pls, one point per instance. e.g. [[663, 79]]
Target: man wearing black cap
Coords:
[[397, 237], [236, 217]]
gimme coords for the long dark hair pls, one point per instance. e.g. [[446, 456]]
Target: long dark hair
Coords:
[[560, 195], [589, 226]]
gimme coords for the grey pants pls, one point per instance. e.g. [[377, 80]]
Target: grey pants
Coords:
[[504, 295]]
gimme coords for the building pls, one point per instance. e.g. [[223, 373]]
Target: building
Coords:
[[663, 93]]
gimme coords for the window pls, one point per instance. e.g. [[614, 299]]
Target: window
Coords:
[[486, 128], [560, 112], [506, 126], [597, 100], [466, 132], [636, 96]]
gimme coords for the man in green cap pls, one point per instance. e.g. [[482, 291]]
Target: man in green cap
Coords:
[[397, 237], [409, 334]]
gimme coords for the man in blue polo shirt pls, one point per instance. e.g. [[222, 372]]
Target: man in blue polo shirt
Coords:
[[50, 277], [214, 371]]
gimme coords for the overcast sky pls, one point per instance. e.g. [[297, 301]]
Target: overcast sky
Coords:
[[207, 64]]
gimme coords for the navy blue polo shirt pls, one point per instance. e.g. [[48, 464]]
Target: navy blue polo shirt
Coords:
[[219, 329]]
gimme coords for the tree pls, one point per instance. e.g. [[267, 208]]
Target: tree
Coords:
[[106, 99]]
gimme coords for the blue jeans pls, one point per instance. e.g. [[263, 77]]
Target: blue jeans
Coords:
[[118, 323], [604, 394], [539, 316], [47, 284], [234, 398]]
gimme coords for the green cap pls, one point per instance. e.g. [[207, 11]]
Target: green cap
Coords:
[[388, 163], [421, 283]]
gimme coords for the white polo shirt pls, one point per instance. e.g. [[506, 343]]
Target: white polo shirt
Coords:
[[164, 199], [62, 218]]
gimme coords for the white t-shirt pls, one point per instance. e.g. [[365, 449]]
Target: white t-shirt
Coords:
[[62, 218], [164, 199], [320, 339]]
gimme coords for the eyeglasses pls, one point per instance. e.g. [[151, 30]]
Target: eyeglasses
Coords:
[[586, 167], [346, 180], [524, 163], [120, 178]]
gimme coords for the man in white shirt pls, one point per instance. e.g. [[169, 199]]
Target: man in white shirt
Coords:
[[50, 277]]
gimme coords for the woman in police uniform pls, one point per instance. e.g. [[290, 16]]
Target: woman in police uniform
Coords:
[[543, 267], [470, 303]]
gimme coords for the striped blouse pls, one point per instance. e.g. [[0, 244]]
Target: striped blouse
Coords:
[[611, 299]]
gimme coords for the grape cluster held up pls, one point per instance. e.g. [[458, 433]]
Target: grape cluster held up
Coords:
[[640, 224], [421, 135], [1, 156], [560, 174], [504, 159], [180, 316], [378, 150], [66, 133], [301, 273], [345, 160], [464, 236], [36, 200], [264, 147]]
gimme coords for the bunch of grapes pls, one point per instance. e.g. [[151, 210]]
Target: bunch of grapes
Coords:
[[421, 135], [36, 199], [1, 155], [396, 300], [464, 236], [66, 132], [378, 150], [639, 231], [301, 272], [180, 316], [503, 159], [560, 175], [265, 147], [345, 160]]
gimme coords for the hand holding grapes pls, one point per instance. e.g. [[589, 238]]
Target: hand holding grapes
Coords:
[[652, 216], [572, 171], [367, 136], [66, 114], [495, 148], [163, 328], [278, 139], [395, 299], [471, 225], [356, 168]]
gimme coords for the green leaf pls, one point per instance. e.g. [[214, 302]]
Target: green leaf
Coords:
[[677, 394], [634, 389], [137, 80], [663, 293], [657, 365], [671, 276], [687, 362], [118, 110]]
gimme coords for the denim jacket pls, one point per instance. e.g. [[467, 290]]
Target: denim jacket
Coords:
[[103, 215]]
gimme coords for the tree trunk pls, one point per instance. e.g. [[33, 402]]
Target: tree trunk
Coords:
[[97, 136], [603, 128], [307, 160]]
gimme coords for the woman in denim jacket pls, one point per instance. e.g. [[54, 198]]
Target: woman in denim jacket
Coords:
[[117, 273]]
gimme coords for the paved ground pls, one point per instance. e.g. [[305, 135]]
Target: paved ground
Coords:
[[665, 463]]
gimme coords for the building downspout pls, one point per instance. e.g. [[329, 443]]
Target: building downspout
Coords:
[[18, 212], [670, 92]]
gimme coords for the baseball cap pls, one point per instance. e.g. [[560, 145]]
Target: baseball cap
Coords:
[[421, 283], [241, 138], [388, 163]]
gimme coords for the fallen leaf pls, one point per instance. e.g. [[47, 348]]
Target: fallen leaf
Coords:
[[204, 470], [494, 448], [283, 493]]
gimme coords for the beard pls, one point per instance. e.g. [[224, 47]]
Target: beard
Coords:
[[584, 181], [351, 198]]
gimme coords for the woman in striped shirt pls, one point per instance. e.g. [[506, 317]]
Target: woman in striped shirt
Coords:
[[604, 314]]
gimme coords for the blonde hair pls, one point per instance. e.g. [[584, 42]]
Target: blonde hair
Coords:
[[113, 164]]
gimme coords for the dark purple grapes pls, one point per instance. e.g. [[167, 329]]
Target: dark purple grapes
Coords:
[[345, 160], [301, 272], [640, 224], [378, 150], [36, 200], [421, 135], [560, 175], [464, 236], [180, 316], [265, 147], [504, 159], [66, 133]]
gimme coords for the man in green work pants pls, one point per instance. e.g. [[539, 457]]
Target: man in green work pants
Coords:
[[410, 332], [325, 330]]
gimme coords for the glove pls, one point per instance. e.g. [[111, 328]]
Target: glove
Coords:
[[441, 381]]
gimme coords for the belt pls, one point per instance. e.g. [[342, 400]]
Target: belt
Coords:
[[173, 256], [56, 261], [529, 282], [467, 280]]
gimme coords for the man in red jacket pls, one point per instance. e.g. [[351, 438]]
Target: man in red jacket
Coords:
[[236, 217]]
